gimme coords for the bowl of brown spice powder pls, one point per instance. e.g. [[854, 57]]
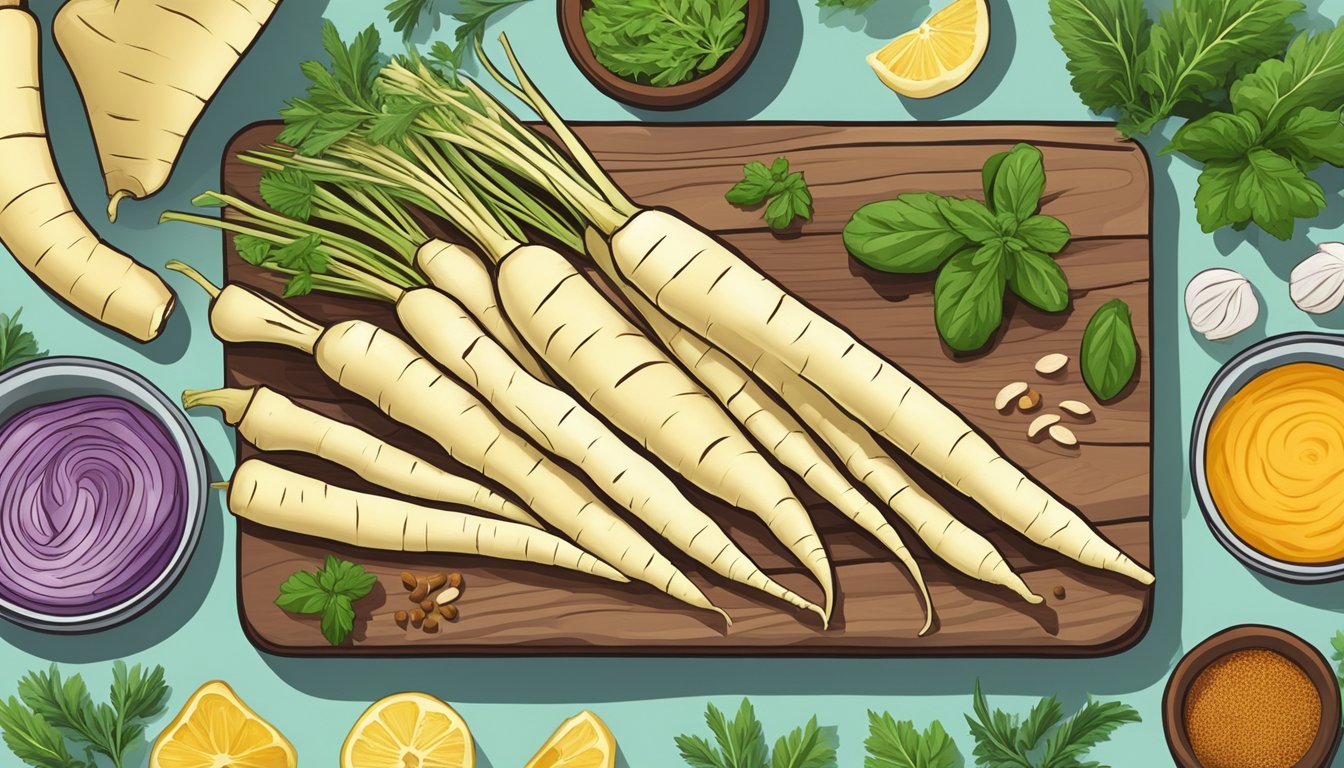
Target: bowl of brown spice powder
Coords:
[[1252, 696]]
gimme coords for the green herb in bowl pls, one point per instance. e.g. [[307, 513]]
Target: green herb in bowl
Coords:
[[664, 42]]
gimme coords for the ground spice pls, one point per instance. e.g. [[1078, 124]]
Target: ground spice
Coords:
[[1252, 709]]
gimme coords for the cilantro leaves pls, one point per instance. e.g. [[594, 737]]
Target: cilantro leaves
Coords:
[[17, 345], [664, 42], [1006, 741], [740, 743], [895, 743], [981, 249], [331, 592], [784, 193]]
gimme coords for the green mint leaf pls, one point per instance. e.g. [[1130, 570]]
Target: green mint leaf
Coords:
[[338, 619], [895, 743], [1102, 40], [779, 212], [1019, 182], [252, 250], [969, 218], [1217, 136], [353, 581], [754, 186], [289, 192], [1038, 280], [301, 593], [1310, 74], [988, 173], [17, 345], [780, 167], [1092, 725], [806, 747], [1264, 187], [1044, 233], [32, 739], [1311, 135], [1109, 351], [968, 297], [907, 235]]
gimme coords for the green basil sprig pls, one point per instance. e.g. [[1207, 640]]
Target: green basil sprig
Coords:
[[1110, 353], [980, 248]]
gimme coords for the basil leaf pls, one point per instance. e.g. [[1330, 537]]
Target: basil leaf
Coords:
[[969, 218], [1109, 351], [754, 186], [968, 298], [987, 174], [1264, 187], [1044, 233], [1019, 182], [1216, 136], [1311, 135], [907, 235], [338, 618], [1038, 280]]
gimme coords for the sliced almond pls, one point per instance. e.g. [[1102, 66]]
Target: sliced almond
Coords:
[[1063, 435], [1041, 422], [448, 595], [1010, 393], [1075, 407], [1051, 364]]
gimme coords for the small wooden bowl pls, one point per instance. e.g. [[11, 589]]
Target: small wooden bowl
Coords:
[[688, 94], [1247, 637]]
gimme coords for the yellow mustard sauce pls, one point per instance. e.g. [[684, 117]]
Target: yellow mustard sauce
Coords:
[[1275, 463]]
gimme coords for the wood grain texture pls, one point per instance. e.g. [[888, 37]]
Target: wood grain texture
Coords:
[[1099, 186]]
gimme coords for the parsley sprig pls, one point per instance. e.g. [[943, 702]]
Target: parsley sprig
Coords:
[[663, 42], [472, 15], [784, 193], [740, 743], [16, 344], [1007, 741], [893, 743], [330, 592]]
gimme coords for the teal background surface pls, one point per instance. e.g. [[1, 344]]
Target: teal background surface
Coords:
[[810, 67]]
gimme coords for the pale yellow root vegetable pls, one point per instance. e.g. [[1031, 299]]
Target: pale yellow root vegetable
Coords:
[[554, 420], [146, 69], [278, 498], [460, 273], [706, 287], [38, 223], [387, 372], [273, 422], [769, 422], [628, 379]]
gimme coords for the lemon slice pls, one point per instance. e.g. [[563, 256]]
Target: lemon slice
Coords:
[[582, 741], [215, 728], [938, 55], [409, 730]]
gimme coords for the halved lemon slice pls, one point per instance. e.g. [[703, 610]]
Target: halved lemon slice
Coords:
[[938, 55], [215, 728], [582, 741], [409, 730]]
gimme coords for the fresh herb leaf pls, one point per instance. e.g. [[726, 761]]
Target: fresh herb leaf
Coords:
[[340, 99], [472, 17], [1109, 351], [110, 730], [1264, 187], [1217, 136], [906, 235], [1044, 233], [32, 739], [663, 42], [289, 192], [1310, 136], [407, 15], [1337, 655], [331, 592], [895, 743], [970, 218], [1092, 725], [785, 194], [740, 743], [1018, 182], [251, 249], [17, 345], [1311, 74], [968, 296], [805, 747], [1102, 39], [1038, 280], [1002, 741]]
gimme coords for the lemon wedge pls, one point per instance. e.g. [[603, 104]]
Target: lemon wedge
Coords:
[[939, 54], [409, 730], [215, 728], [582, 741]]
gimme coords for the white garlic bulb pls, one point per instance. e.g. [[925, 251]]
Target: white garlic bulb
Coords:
[[1317, 284], [1220, 303]]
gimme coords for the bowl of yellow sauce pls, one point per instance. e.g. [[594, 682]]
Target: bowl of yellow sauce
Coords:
[[1267, 456]]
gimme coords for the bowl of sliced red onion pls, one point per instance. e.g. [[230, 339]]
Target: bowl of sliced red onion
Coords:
[[102, 494]]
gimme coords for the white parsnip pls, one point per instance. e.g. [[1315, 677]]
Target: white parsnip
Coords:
[[278, 498], [273, 422]]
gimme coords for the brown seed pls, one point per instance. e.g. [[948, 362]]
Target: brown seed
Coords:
[[427, 605], [1030, 401], [408, 580], [401, 618], [421, 590], [456, 580], [1059, 592], [449, 612], [437, 580], [431, 623], [417, 617]]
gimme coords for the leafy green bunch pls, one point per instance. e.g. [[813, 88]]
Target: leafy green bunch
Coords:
[[17, 345], [740, 743], [471, 17], [663, 42], [52, 712], [784, 192], [330, 592], [979, 248], [1045, 738], [893, 743]]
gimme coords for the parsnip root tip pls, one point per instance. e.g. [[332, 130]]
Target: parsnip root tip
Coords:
[[222, 485], [114, 201]]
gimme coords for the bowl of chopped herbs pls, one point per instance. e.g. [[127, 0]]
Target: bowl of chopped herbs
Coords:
[[662, 54]]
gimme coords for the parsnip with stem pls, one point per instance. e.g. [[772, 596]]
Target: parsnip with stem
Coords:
[[387, 372], [146, 70], [273, 422], [38, 223], [278, 498]]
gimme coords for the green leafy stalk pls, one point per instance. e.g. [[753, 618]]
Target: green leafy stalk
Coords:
[[663, 42], [33, 739], [740, 743], [111, 730], [17, 345], [785, 194], [331, 593], [1007, 741], [895, 743]]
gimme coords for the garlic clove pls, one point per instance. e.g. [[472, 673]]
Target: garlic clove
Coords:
[[1220, 303], [1317, 284]]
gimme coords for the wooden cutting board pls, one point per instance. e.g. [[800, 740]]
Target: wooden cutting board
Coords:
[[1097, 185]]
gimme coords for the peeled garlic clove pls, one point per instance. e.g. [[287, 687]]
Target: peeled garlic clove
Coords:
[[1220, 303], [1317, 284]]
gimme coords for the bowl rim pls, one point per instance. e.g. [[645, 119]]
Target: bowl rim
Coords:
[[1246, 637], [1232, 376], [139, 390], [680, 96]]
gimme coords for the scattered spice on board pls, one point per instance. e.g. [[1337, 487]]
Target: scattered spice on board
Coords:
[[1252, 709]]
